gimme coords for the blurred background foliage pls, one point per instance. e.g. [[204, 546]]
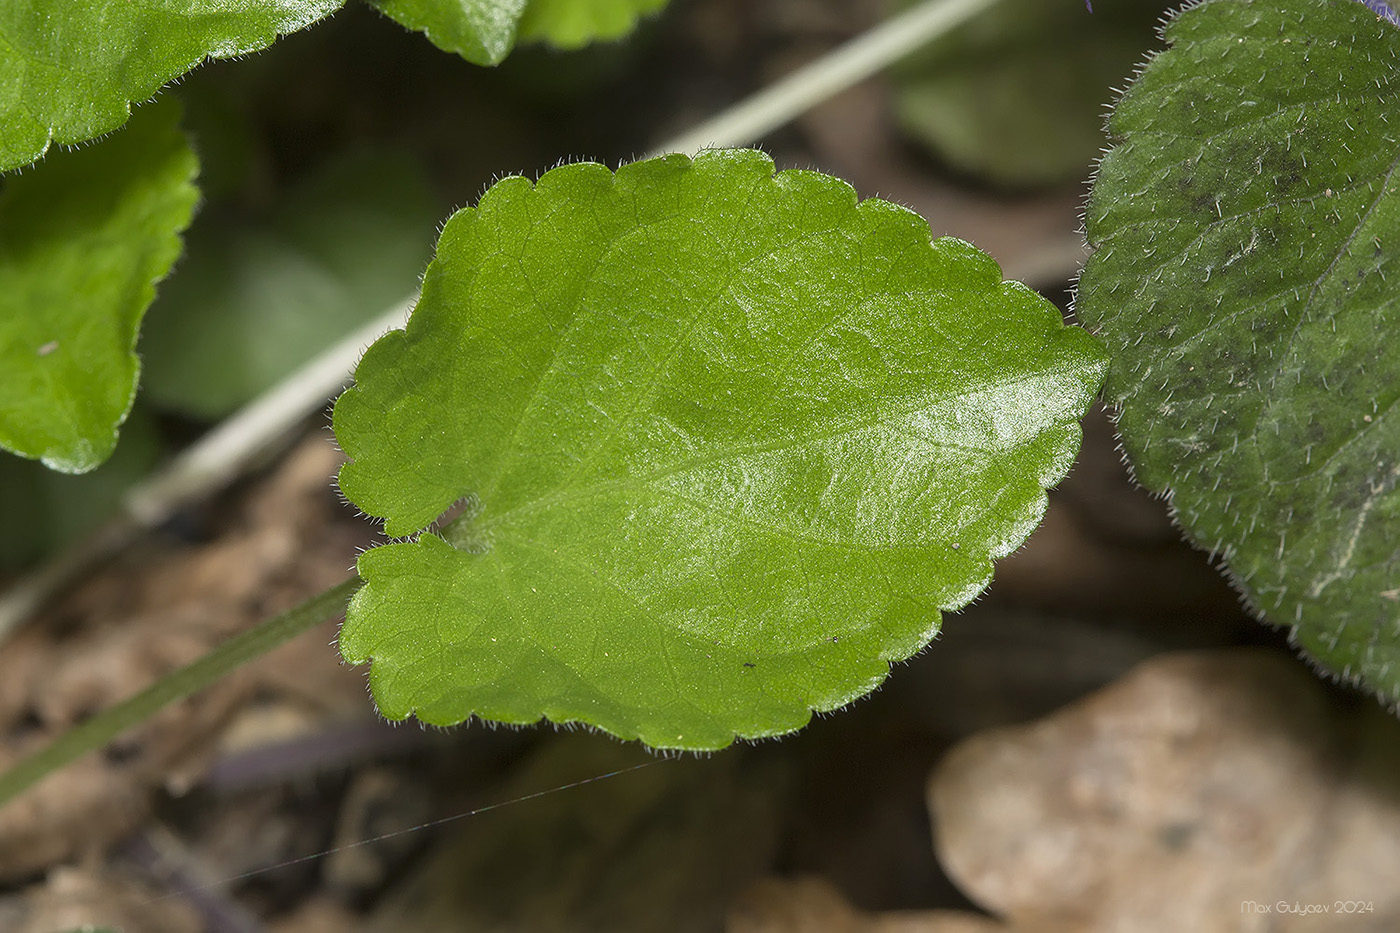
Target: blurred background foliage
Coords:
[[1017, 97]]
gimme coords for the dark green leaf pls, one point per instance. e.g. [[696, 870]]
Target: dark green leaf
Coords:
[[1246, 235]]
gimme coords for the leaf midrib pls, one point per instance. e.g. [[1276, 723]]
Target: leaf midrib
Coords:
[[485, 522], [565, 340]]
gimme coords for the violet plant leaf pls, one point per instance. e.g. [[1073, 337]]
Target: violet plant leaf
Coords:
[[1245, 274], [729, 443]]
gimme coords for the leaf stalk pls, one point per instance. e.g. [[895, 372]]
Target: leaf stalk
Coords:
[[97, 731]]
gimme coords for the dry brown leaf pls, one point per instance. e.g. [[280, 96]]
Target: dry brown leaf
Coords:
[[1211, 791]]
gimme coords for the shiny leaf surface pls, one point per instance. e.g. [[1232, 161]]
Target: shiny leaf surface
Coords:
[[730, 442]]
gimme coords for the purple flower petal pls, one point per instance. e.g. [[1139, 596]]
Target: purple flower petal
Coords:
[[1381, 9]]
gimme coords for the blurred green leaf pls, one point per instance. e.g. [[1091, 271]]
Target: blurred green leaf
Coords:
[[253, 301], [732, 442], [485, 31], [1246, 236], [1017, 95], [571, 24], [84, 237]]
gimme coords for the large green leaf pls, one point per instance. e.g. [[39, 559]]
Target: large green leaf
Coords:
[[730, 443], [84, 237], [70, 69], [481, 31], [571, 24], [1246, 235], [1016, 95], [254, 300]]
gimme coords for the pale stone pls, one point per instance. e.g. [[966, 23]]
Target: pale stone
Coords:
[[1212, 791]]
